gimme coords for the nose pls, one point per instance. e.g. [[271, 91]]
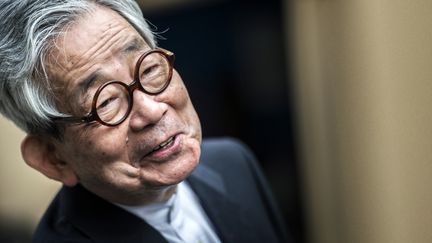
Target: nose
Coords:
[[146, 111]]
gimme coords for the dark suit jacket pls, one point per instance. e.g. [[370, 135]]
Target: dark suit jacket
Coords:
[[227, 181]]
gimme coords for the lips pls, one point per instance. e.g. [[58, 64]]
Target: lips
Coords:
[[163, 150], [163, 145]]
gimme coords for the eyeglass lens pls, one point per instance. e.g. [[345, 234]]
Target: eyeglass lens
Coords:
[[112, 104]]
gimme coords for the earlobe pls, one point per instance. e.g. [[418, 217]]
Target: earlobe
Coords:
[[39, 153]]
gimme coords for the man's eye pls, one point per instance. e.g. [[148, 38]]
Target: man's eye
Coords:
[[149, 71], [105, 103]]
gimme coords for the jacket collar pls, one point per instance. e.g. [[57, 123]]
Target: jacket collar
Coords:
[[228, 217], [106, 222]]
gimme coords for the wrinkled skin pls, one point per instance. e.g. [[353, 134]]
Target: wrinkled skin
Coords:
[[112, 161]]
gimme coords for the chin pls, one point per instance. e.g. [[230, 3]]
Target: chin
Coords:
[[180, 169], [180, 175]]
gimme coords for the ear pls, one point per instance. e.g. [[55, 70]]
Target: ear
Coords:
[[40, 154]]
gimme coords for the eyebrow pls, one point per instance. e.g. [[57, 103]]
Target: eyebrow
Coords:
[[131, 47], [134, 45], [88, 82]]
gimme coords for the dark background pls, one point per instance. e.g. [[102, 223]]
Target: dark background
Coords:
[[232, 57]]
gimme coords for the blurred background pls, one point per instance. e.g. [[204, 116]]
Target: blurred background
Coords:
[[333, 97]]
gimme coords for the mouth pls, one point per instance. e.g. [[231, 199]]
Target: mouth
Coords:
[[165, 149], [163, 145]]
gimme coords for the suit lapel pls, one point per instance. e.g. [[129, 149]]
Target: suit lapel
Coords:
[[103, 221], [228, 217]]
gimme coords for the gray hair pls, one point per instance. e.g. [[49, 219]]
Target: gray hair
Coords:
[[28, 29]]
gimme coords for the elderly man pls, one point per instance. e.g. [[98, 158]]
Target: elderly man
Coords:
[[108, 117]]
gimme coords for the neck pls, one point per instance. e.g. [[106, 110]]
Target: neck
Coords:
[[158, 195]]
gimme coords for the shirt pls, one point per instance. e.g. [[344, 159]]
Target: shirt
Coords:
[[181, 219]]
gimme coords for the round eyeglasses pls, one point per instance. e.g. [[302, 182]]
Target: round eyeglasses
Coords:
[[113, 100]]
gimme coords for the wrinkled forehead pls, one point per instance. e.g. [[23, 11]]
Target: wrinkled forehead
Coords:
[[94, 39], [92, 33]]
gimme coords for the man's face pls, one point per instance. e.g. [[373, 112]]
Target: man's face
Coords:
[[116, 162]]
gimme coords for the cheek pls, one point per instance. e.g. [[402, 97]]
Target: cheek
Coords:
[[98, 162], [177, 97], [178, 94], [186, 110], [87, 149]]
